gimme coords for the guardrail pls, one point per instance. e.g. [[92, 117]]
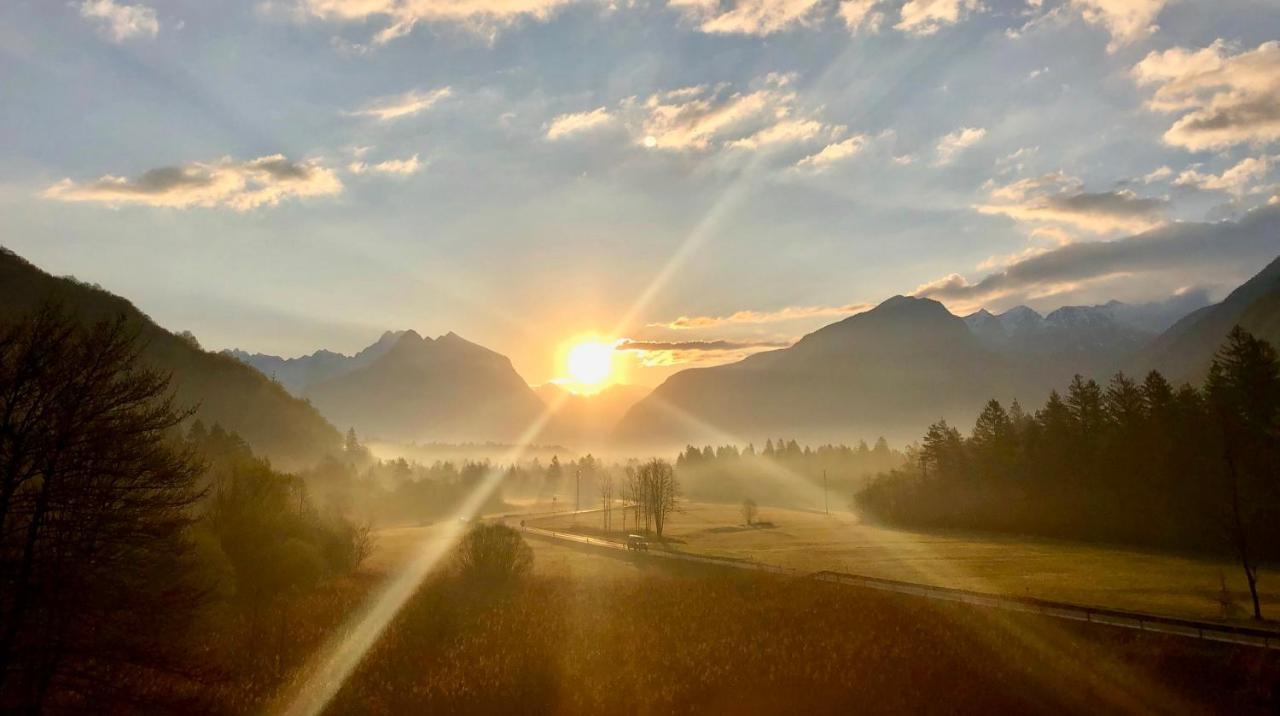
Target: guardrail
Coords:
[[1140, 621]]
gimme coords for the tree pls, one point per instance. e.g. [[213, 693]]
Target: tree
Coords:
[[749, 511], [606, 484], [96, 581], [493, 555], [655, 483], [1243, 393]]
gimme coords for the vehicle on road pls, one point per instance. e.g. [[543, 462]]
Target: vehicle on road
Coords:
[[637, 543]]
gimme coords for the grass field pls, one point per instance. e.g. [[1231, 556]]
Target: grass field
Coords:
[[1049, 569], [595, 632]]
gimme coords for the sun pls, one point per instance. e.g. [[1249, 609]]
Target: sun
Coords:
[[589, 364]]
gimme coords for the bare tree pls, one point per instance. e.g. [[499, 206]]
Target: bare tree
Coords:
[[658, 490], [96, 583], [749, 511], [606, 485]]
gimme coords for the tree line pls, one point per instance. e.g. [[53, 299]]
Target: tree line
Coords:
[[774, 474], [1145, 463]]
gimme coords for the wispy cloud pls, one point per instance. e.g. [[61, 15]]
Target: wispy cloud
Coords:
[[573, 123], [833, 153], [407, 104], [1058, 198], [1237, 179], [402, 167], [748, 17], [1127, 21], [399, 17], [121, 22], [237, 185], [652, 354], [861, 15], [925, 17], [746, 317], [1222, 99], [952, 144]]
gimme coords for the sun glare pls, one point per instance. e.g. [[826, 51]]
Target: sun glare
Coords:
[[589, 365]]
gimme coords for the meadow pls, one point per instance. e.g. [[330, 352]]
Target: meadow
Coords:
[[1087, 574], [589, 632]]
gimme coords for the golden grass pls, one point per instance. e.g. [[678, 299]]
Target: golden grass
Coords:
[[1050, 569], [720, 642]]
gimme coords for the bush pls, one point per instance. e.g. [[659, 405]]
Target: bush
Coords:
[[492, 554]]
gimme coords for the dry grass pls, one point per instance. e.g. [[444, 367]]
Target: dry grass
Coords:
[[1049, 569], [727, 643]]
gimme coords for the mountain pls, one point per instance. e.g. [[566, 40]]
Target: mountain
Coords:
[[445, 389], [890, 370], [1094, 341], [225, 391], [299, 374], [586, 420], [1185, 351], [1089, 340]]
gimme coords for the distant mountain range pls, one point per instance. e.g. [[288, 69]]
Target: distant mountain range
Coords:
[[1089, 340], [909, 361], [405, 387], [299, 374], [445, 389], [225, 391], [890, 370]]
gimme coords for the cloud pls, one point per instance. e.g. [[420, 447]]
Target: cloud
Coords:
[[401, 16], [666, 353], [573, 123], [747, 17], [1158, 174], [402, 167], [1126, 20], [407, 104], [787, 131], [1057, 198], [790, 313], [859, 15], [701, 118], [1183, 253], [121, 22], [1222, 99], [833, 153], [1234, 180], [238, 185], [952, 144], [925, 17]]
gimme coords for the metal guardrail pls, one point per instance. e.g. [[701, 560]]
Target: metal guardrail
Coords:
[[1140, 621]]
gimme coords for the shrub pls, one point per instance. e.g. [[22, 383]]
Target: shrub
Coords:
[[493, 554]]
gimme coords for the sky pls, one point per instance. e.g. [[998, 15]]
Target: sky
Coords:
[[691, 179]]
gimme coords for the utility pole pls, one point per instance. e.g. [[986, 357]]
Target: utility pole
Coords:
[[826, 503]]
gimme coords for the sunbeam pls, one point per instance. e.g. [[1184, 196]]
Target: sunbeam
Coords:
[[324, 675]]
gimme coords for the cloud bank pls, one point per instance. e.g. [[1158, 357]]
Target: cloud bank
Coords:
[[237, 185], [1181, 254]]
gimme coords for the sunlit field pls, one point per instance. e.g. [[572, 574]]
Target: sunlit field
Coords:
[[591, 633], [1080, 573]]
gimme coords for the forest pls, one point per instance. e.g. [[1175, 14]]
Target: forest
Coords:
[[1144, 463]]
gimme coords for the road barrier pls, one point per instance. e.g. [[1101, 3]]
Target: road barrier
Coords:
[[1210, 631]]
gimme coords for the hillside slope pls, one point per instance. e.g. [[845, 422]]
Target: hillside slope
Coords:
[[276, 424]]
